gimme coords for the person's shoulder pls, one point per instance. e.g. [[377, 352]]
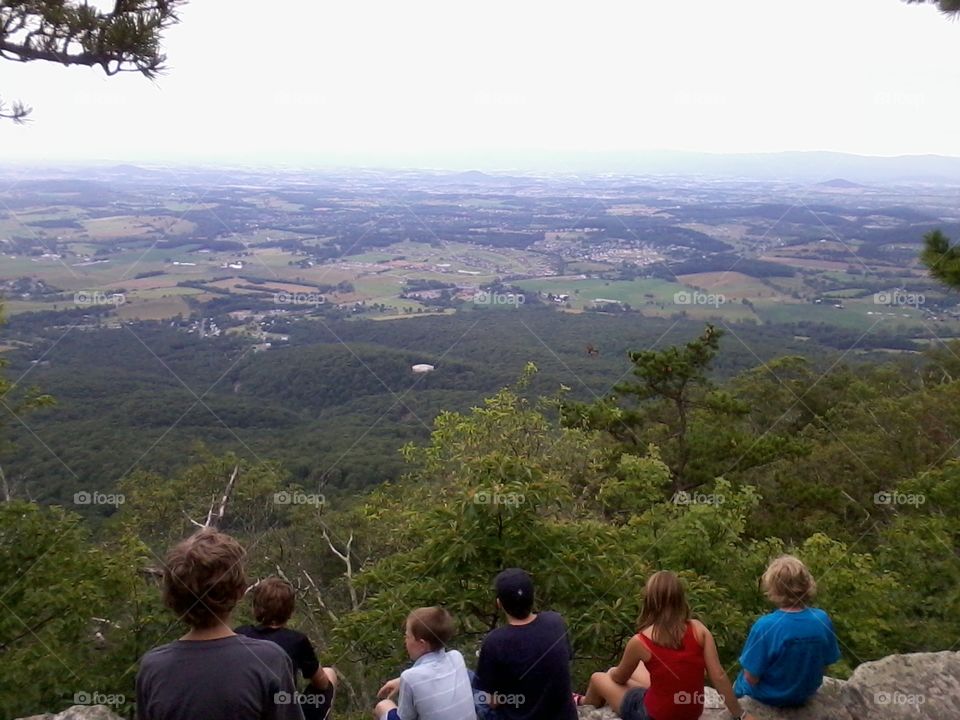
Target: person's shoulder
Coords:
[[297, 636], [496, 636], [157, 656], [456, 657], [409, 676], [700, 631], [248, 630], [263, 649], [770, 618], [551, 617], [821, 616]]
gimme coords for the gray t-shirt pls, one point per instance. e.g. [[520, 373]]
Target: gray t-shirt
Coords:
[[232, 678]]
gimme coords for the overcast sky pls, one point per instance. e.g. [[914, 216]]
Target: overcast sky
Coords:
[[309, 81]]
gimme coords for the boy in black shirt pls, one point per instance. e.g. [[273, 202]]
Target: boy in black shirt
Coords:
[[524, 668], [273, 602]]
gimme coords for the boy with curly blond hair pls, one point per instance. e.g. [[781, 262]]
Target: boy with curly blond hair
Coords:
[[788, 649]]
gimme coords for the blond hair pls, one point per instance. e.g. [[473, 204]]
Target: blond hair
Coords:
[[788, 583]]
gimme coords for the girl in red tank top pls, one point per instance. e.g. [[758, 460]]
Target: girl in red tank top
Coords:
[[676, 678], [661, 674]]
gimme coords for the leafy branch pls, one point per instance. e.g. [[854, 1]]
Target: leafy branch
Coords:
[[126, 39]]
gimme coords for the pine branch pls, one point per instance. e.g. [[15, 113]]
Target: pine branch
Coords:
[[948, 7], [127, 39]]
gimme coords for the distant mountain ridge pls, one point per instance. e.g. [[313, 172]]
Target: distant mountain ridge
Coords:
[[813, 166], [496, 168]]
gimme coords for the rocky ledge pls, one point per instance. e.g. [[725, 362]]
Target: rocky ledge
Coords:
[[921, 686]]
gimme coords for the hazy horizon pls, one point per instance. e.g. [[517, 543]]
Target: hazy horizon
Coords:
[[432, 85]]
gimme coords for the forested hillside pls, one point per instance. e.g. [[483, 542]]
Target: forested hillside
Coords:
[[334, 405], [710, 474]]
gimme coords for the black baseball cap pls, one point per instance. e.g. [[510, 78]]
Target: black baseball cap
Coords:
[[514, 585]]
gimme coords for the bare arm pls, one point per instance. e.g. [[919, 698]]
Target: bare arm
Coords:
[[633, 654], [389, 689], [320, 679], [752, 679], [716, 673]]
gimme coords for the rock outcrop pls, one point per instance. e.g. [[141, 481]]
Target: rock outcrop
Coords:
[[921, 686], [80, 712]]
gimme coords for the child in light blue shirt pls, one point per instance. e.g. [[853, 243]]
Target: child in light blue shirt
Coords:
[[437, 687], [788, 649]]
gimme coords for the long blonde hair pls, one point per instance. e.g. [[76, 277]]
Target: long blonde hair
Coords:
[[665, 609]]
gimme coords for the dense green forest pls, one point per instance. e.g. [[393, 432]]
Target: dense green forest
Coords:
[[701, 459], [334, 404]]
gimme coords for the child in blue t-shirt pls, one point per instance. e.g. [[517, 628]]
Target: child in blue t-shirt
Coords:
[[787, 650]]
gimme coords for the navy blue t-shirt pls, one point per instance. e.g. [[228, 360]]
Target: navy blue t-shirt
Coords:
[[296, 644], [527, 669], [788, 652]]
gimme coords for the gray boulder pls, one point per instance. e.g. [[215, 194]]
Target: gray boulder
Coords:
[[919, 686], [80, 712], [829, 702]]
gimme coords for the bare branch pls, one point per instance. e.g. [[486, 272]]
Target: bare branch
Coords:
[[226, 495], [194, 522], [316, 589], [6, 488], [346, 557]]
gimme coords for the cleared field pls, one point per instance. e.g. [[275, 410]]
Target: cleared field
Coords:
[[132, 226], [854, 315], [583, 291], [270, 286], [15, 307], [159, 309], [166, 292], [733, 285], [813, 264], [658, 298], [402, 316]]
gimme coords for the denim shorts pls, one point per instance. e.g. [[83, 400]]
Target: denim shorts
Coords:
[[632, 707]]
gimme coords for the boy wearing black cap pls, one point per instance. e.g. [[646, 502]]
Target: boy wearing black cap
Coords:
[[524, 667]]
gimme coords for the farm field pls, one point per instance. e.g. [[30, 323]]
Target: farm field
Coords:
[[398, 252]]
